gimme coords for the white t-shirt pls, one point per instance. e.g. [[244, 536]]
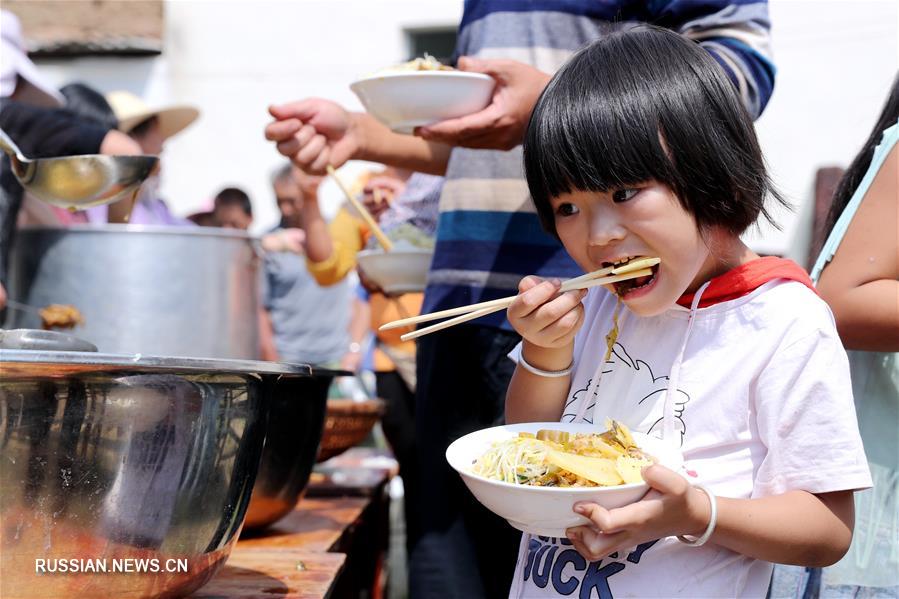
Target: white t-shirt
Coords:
[[763, 406]]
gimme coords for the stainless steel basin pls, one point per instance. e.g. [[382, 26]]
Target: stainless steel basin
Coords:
[[125, 462]]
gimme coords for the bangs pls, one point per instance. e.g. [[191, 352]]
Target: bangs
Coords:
[[646, 104], [588, 137]]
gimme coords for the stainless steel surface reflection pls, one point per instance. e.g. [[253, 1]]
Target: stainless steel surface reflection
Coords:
[[295, 421], [105, 466]]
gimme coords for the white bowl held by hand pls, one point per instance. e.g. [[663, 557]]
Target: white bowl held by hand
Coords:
[[397, 271], [546, 511], [405, 100]]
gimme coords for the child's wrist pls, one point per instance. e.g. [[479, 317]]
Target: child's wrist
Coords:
[[699, 508], [547, 358]]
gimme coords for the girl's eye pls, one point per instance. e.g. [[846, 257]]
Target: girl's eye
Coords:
[[566, 209], [623, 195]]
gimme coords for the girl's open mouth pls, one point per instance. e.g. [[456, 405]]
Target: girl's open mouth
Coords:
[[631, 286]]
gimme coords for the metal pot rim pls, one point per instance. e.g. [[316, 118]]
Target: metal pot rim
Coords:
[[94, 361], [147, 229]]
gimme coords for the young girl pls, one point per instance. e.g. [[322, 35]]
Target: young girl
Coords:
[[640, 147]]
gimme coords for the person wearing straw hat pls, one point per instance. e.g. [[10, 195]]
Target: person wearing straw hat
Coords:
[[150, 127]]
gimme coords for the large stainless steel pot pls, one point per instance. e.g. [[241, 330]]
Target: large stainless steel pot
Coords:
[[107, 460], [173, 291]]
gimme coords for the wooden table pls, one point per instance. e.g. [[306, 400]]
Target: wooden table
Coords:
[[262, 573], [332, 545]]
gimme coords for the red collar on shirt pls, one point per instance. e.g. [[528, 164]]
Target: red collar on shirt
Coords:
[[746, 278]]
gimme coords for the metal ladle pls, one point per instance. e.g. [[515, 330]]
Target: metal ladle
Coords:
[[78, 182]]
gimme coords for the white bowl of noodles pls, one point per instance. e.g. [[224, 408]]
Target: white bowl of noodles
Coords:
[[546, 510], [404, 99]]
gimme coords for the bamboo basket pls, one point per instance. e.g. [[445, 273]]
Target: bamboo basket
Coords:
[[347, 423]]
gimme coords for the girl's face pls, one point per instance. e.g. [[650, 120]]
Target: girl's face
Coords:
[[599, 229]]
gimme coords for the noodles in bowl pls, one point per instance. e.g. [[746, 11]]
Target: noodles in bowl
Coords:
[[555, 458], [534, 483]]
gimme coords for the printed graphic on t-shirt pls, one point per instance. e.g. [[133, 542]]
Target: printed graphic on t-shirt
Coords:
[[645, 395], [555, 561]]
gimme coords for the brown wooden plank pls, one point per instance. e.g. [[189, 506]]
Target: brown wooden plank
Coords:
[[315, 525], [261, 573]]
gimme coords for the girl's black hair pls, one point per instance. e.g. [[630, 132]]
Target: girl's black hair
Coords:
[[89, 104], [642, 104], [856, 171]]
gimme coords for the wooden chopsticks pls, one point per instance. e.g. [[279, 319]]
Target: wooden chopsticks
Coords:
[[366, 216], [639, 267]]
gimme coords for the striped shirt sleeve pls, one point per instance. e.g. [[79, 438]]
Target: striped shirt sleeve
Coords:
[[737, 35]]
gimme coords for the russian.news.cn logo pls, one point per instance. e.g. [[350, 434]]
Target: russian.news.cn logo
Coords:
[[124, 565]]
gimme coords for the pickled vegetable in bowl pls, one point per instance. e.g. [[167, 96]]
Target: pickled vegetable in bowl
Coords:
[[556, 458]]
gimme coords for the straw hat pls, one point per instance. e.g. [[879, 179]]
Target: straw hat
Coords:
[[131, 111]]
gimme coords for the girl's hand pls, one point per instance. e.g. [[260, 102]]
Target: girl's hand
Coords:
[[672, 507], [544, 317]]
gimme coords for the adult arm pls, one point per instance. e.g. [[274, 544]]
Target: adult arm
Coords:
[[737, 35], [317, 242], [314, 133], [344, 236], [360, 325], [861, 283], [267, 349]]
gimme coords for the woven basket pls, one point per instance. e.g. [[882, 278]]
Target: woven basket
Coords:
[[347, 423]]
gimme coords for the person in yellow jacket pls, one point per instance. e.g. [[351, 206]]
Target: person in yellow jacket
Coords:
[[331, 250]]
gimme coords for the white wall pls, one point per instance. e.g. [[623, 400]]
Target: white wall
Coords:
[[835, 63], [232, 58]]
